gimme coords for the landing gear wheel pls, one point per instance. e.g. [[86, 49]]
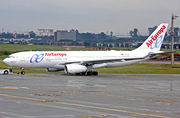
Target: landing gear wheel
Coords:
[[5, 72], [22, 73], [83, 73], [95, 73], [89, 73], [78, 73]]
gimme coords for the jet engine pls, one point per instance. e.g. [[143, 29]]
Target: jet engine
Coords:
[[53, 69], [75, 68]]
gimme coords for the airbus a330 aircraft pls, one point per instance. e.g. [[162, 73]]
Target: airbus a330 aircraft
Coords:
[[83, 62]]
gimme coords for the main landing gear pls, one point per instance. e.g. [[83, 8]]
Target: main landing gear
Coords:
[[89, 73], [22, 71], [92, 73]]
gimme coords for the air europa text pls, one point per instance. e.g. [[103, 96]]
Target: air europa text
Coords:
[[55, 54], [153, 38]]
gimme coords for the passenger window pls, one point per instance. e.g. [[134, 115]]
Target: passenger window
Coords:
[[11, 57]]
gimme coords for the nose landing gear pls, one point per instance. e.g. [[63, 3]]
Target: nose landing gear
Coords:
[[22, 71]]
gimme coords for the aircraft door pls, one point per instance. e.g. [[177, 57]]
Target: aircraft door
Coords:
[[22, 58]]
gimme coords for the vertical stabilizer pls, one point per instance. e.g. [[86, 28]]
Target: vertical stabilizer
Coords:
[[155, 40]]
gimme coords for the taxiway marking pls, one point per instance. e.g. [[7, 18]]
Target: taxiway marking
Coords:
[[8, 87], [88, 106]]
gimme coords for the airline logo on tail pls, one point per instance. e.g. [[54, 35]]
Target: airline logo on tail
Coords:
[[156, 39]]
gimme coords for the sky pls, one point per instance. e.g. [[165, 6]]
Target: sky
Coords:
[[93, 16]]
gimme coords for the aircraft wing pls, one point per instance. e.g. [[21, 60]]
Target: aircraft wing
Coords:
[[99, 61], [107, 61]]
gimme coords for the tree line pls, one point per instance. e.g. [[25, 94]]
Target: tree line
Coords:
[[88, 38]]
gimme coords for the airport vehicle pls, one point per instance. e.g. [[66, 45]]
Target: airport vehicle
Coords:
[[83, 62], [6, 71]]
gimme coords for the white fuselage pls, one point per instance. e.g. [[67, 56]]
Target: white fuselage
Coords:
[[57, 59]]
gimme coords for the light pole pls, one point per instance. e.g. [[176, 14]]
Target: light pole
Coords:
[[172, 38]]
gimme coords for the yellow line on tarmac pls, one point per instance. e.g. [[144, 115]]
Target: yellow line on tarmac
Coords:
[[8, 87], [118, 110], [12, 96], [4, 116], [87, 106]]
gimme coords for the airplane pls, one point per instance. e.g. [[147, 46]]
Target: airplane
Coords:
[[83, 62]]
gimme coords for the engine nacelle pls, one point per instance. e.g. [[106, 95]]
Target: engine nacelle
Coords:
[[75, 68], [53, 69]]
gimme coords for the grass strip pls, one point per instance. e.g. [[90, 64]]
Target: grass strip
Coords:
[[131, 69]]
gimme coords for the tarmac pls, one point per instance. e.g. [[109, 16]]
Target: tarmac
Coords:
[[55, 95]]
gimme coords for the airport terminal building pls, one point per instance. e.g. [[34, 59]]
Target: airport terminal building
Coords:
[[64, 35]]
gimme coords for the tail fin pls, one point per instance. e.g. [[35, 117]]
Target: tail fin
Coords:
[[155, 40]]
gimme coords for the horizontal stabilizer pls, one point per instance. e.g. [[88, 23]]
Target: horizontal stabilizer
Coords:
[[155, 54]]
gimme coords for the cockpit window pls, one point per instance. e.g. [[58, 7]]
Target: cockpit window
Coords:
[[11, 57]]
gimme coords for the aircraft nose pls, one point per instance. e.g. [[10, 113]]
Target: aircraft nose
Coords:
[[6, 61]]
